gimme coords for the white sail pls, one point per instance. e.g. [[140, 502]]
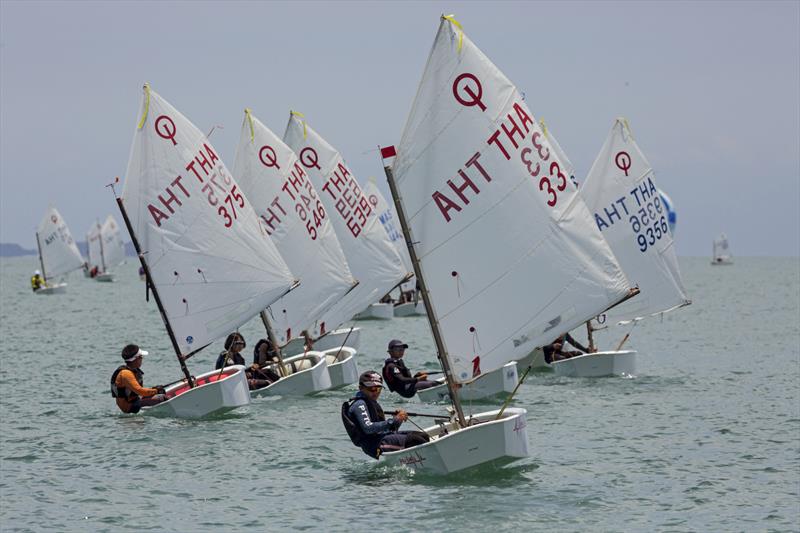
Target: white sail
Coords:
[[57, 248], [621, 193], [569, 168], [389, 220], [113, 245], [721, 251], [94, 255], [213, 264], [292, 213], [508, 250], [373, 259]]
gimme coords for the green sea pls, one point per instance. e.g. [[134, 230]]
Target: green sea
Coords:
[[706, 436]]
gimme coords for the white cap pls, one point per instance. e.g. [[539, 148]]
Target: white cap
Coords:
[[140, 353]]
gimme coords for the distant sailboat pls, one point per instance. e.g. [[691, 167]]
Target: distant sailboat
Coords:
[[209, 263], [621, 192], [388, 218], [58, 253], [113, 245], [506, 254], [96, 260], [720, 251]]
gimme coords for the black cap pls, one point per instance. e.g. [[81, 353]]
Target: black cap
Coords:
[[394, 343], [370, 378]]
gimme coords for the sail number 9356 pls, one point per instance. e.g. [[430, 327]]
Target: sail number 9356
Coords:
[[649, 224]]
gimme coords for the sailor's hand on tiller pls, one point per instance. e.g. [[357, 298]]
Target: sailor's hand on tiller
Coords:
[[401, 415]]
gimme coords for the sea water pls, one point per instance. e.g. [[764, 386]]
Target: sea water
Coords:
[[706, 436]]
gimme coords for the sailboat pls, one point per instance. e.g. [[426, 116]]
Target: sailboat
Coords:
[[291, 212], [720, 253], [402, 307], [373, 259], [96, 260], [58, 253], [621, 192], [113, 245], [505, 251], [209, 263]]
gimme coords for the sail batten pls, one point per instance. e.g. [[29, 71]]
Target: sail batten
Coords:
[[509, 251], [214, 265]]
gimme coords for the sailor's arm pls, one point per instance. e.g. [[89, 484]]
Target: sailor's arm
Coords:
[[361, 416], [128, 380], [575, 343]]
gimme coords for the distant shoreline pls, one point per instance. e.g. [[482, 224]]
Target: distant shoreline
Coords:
[[12, 249]]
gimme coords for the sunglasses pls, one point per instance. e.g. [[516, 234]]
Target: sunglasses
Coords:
[[374, 389]]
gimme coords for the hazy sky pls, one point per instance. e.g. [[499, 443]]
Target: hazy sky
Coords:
[[711, 90]]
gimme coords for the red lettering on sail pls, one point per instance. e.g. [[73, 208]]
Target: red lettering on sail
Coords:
[[349, 200], [476, 366], [457, 193]]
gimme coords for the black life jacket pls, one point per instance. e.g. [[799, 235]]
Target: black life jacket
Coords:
[[403, 389], [124, 392], [354, 431]]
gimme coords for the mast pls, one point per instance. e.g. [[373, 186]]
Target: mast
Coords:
[[432, 320], [171, 334], [41, 259], [274, 340], [100, 236]]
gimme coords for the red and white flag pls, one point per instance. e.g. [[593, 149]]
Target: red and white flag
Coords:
[[388, 154]]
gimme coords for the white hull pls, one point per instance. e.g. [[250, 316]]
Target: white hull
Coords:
[[599, 364], [308, 375], [408, 309], [494, 441], [377, 311], [216, 392], [58, 288], [500, 381], [105, 277], [334, 339], [342, 366], [535, 360]]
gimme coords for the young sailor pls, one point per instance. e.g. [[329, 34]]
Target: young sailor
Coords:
[[256, 378], [367, 425], [556, 351], [398, 377], [37, 281], [127, 383]]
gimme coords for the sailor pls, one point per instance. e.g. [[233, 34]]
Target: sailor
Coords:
[[556, 351], [398, 377], [265, 354], [37, 281], [367, 425], [234, 344], [127, 383]]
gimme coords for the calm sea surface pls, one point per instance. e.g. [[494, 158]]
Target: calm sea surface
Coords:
[[705, 438]]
